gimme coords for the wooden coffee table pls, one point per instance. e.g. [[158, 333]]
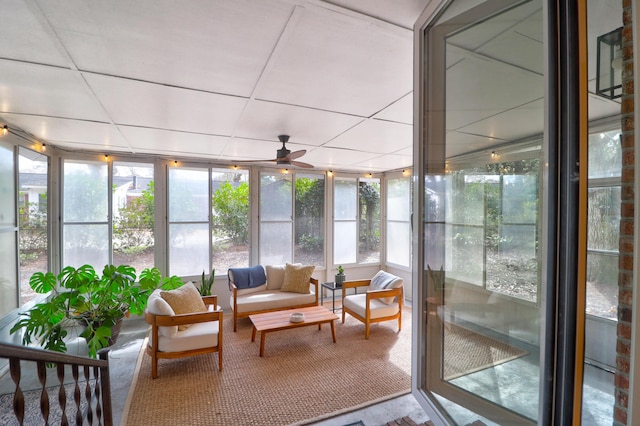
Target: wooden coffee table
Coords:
[[279, 320]]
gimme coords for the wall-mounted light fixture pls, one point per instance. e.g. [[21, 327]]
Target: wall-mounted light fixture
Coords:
[[175, 163], [106, 157], [5, 130], [235, 167], [285, 171], [609, 65], [330, 173]]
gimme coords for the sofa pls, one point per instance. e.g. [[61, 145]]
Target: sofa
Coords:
[[260, 289]]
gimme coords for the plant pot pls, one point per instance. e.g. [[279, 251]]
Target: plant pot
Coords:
[[115, 332], [339, 279]]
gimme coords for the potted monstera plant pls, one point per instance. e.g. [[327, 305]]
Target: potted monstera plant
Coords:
[[97, 302]]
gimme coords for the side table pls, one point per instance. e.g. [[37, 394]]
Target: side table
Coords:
[[331, 286]]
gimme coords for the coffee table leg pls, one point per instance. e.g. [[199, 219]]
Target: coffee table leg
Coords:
[[263, 336], [333, 330], [253, 334]]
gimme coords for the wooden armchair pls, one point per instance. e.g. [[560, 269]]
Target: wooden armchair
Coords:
[[376, 305], [203, 336]]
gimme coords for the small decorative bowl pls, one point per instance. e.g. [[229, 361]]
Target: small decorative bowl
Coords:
[[296, 317]]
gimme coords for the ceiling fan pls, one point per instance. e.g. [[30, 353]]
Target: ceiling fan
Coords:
[[284, 156]]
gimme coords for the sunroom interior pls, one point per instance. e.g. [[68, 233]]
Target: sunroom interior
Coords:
[[146, 135]]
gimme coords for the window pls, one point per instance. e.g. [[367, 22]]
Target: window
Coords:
[[85, 213], [133, 209], [603, 228], [33, 219], [356, 220], [189, 234], [230, 219], [276, 218], [345, 217], [8, 231], [398, 230], [369, 230], [309, 222], [493, 227]]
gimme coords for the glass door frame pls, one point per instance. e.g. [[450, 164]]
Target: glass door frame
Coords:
[[564, 232]]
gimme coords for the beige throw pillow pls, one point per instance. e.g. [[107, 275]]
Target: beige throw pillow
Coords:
[[184, 300], [296, 278]]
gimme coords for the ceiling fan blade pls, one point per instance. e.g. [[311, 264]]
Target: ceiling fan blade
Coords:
[[257, 161], [296, 154], [301, 164]]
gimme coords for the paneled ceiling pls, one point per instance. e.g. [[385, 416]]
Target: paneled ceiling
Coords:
[[221, 79], [214, 79]]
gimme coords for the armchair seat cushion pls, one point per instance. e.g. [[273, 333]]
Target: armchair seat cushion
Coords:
[[266, 300], [204, 334], [358, 304]]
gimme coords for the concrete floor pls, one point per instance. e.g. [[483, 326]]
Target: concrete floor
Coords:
[[521, 397]]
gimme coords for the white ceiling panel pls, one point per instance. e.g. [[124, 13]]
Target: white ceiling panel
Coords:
[[511, 125], [145, 139], [461, 143], [335, 157], [399, 12], [128, 102], [478, 88], [387, 162], [338, 74], [34, 43], [377, 136], [400, 111], [58, 130], [267, 120], [218, 46], [42, 90]]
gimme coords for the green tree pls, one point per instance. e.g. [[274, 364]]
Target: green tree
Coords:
[[231, 212]]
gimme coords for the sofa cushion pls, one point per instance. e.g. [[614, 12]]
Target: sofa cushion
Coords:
[[358, 304], [156, 305], [243, 291], [296, 278], [275, 276], [266, 300], [384, 280], [184, 300], [199, 335]]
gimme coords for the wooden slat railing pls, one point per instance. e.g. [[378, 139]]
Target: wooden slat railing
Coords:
[[84, 372]]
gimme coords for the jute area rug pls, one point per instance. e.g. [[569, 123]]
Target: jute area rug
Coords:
[[303, 376], [467, 352]]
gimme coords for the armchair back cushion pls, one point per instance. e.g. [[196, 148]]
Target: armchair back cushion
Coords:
[[184, 300], [384, 280], [156, 305]]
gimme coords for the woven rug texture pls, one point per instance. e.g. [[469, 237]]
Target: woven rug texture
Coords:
[[467, 352], [303, 375]]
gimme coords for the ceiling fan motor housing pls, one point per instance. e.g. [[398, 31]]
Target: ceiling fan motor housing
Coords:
[[283, 152]]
